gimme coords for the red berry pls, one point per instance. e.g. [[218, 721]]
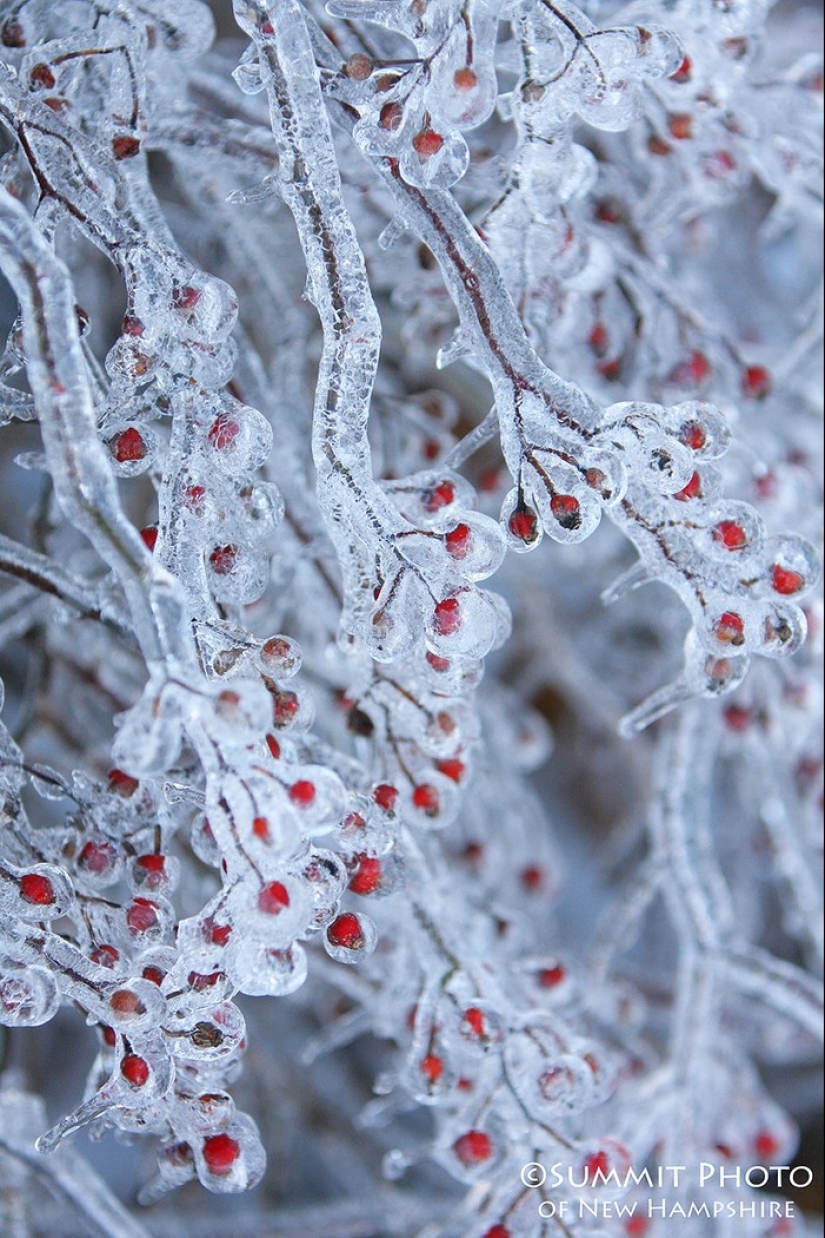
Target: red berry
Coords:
[[132, 325], [125, 146], [597, 1163], [104, 956], [219, 934], [693, 490], [532, 877], [367, 877], [441, 495], [523, 524], [458, 541], [451, 768], [737, 718], [729, 628], [465, 79], [285, 706], [611, 370], [358, 67], [693, 435], [141, 916], [427, 143], [765, 1146], [474, 1018], [681, 127], [345, 931], [437, 663], [122, 783], [37, 889], [223, 432], [260, 828], [151, 870], [683, 73], [718, 164], [699, 368], [222, 560], [390, 117], [608, 211], [273, 746], [12, 34], [785, 581], [597, 339], [692, 372], [447, 617], [278, 649], [554, 1080], [220, 1152], [550, 977], [730, 535], [766, 485], [566, 510], [432, 1067], [178, 1154], [185, 298], [473, 1148], [128, 446], [385, 796], [198, 982], [353, 823], [96, 856], [657, 146], [156, 975], [149, 536], [426, 799], [273, 898], [636, 1226], [302, 793], [193, 498], [756, 382], [473, 853], [109, 1036], [152, 863], [125, 1002], [498, 1231], [134, 1070], [41, 75]]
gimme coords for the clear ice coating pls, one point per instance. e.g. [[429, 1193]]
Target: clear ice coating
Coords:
[[314, 332]]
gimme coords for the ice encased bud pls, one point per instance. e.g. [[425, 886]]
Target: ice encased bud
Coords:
[[439, 170], [259, 970], [35, 893], [29, 996], [351, 937], [232, 1159]]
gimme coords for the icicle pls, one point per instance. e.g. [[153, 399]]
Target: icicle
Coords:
[[633, 578], [461, 345], [393, 232]]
